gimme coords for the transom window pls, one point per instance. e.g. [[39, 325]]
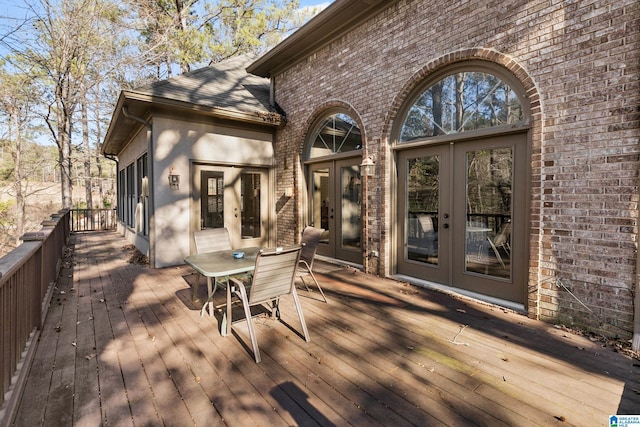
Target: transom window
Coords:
[[461, 102], [337, 133]]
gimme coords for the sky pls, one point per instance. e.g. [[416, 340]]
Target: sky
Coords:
[[318, 3]]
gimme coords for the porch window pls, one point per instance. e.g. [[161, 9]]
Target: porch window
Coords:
[[122, 194], [131, 196], [461, 102], [143, 195]]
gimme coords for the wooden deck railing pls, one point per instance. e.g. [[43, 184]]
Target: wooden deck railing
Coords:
[[93, 219], [27, 277]]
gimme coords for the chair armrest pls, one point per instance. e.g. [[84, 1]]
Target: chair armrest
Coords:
[[240, 283]]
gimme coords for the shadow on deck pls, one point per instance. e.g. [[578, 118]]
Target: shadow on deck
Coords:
[[124, 345]]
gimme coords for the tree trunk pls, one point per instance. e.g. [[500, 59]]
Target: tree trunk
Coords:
[[17, 175], [459, 101], [63, 139], [64, 151], [436, 97]]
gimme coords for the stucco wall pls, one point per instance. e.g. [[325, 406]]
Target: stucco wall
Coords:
[[579, 64], [177, 144]]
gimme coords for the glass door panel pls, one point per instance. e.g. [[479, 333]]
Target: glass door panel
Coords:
[[335, 204], [212, 200], [489, 176], [490, 211], [250, 220], [321, 208], [422, 207], [423, 201], [350, 211]]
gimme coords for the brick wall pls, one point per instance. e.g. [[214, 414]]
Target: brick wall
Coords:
[[578, 61]]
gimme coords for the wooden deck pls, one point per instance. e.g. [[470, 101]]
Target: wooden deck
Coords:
[[123, 345]]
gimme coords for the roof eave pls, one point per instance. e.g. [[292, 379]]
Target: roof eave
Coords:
[[146, 102], [341, 16]]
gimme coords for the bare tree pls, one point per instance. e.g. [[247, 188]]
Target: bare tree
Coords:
[[16, 104], [66, 40]]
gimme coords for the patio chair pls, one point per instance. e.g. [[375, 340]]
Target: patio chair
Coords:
[[272, 278], [501, 240], [210, 240], [310, 239], [423, 238]]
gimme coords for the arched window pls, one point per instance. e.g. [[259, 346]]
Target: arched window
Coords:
[[337, 133], [461, 102]]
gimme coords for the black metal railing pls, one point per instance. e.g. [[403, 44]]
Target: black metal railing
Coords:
[[93, 219]]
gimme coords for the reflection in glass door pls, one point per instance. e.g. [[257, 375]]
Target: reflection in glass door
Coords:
[[336, 206], [489, 176]]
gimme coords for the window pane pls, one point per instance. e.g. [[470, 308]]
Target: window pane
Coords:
[[250, 197], [339, 133], [212, 200], [351, 216], [143, 195], [488, 229], [320, 199], [422, 209], [131, 195], [460, 103]]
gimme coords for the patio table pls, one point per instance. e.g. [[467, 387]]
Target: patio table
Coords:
[[214, 265]]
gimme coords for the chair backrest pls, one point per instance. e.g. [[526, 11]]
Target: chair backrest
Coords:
[[426, 223], [503, 234], [310, 239], [212, 240], [274, 274]]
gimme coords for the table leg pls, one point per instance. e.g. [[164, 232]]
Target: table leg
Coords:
[[228, 310], [212, 288], [194, 293]]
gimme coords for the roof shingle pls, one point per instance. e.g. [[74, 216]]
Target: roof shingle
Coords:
[[225, 85]]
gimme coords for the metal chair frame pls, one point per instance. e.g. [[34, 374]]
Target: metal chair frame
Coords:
[[272, 278], [310, 240]]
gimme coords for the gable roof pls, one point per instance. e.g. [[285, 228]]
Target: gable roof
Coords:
[[223, 85], [224, 90]]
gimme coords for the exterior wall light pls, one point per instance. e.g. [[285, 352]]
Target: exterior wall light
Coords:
[[367, 167], [174, 180]]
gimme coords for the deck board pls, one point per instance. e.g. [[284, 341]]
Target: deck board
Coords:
[[124, 344]]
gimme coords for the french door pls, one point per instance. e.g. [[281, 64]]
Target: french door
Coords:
[[462, 215], [335, 198], [235, 198]]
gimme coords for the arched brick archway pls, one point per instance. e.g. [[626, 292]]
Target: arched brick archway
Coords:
[[531, 96], [332, 184]]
